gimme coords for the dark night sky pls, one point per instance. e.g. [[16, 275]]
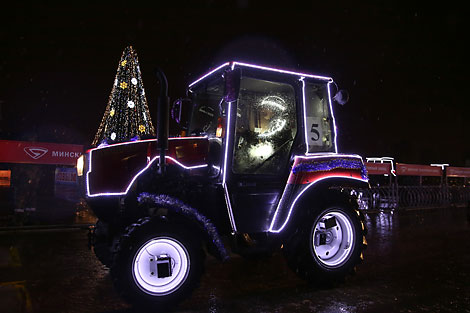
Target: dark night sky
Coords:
[[403, 66]]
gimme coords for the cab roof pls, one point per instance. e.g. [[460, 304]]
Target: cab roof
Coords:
[[234, 64]]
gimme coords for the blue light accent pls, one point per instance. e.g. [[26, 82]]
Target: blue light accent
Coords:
[[331, 164], [180, 207]]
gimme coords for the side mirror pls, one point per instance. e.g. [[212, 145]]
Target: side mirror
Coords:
[[342, 97], [232, 84], [180, 112]]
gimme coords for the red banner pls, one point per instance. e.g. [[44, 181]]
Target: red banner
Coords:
[[378, 168], [457, 171], [39, 152], [418, 170]]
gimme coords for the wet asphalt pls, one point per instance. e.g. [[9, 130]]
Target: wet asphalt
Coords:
[[416, 261]]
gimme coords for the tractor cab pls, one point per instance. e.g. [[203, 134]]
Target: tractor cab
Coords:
[[257, 119]]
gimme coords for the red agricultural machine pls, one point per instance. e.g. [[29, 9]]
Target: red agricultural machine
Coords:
[[258, 172]]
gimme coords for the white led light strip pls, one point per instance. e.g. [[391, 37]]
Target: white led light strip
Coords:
[[282, 71], [208, 74], [333, 117], [224, 174], [305, 114], [134, 178], [297, 198], [272, 69], [328, 155]]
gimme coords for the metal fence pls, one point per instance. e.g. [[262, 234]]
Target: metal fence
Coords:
[[397, 197]]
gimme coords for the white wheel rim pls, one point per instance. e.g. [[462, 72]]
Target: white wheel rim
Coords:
[[339, 239], [143, 270]]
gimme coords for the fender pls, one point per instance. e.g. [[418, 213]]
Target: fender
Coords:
[[312, 173], [314, 190], [178, 207]]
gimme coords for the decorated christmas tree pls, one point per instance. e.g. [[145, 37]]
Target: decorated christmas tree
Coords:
[[127, 115]]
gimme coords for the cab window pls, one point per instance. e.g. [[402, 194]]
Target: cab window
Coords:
[[207, 108], [265, 126]]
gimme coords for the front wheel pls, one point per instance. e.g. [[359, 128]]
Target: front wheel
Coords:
[[328, 245], [157, 264]]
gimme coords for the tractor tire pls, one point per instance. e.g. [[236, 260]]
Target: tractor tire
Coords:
[[101, 244], [328, 245], [157, 264]]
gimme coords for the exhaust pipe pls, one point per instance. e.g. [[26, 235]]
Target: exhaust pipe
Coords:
[[163, 103]]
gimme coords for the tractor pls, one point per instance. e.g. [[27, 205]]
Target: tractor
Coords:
[[255, 170]]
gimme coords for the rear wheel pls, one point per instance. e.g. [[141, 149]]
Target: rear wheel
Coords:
[[157, 264], [329, 245], [332, 238]]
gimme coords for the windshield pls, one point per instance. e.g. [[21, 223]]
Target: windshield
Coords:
[[265, 126], [319, 128], [207, 107]]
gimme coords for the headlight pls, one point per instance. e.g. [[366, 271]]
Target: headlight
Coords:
[[80, 164]]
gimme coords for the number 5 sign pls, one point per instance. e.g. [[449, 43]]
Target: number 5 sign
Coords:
[[314, 131]]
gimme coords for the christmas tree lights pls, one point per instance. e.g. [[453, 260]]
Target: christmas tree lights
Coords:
[[127, 115]]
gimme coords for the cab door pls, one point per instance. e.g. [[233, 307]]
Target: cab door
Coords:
[[263, 127]]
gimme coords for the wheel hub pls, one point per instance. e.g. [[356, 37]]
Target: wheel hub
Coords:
[[161, 266], [329, 237]]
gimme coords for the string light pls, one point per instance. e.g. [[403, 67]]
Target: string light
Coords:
[[120, 124], [276, 105], [274, 102]]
